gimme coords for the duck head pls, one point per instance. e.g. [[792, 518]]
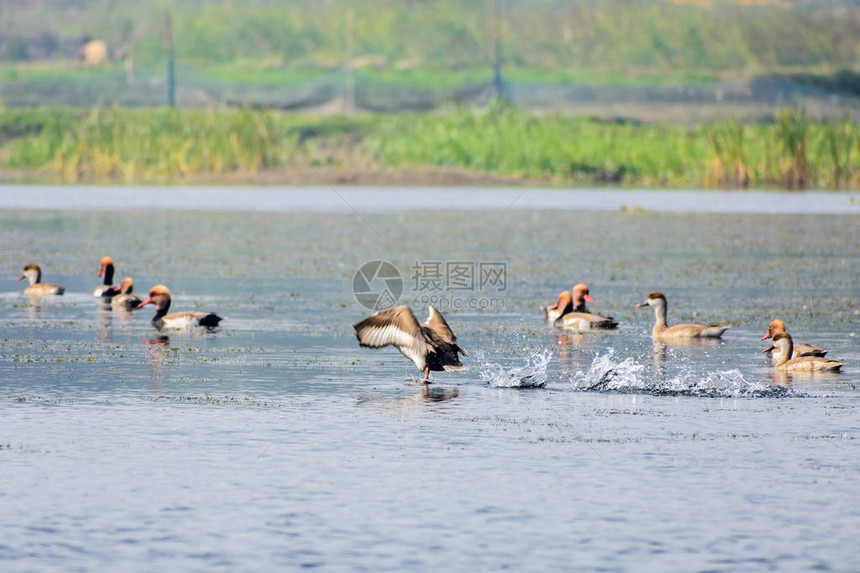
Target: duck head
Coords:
[[782, 342], [126, 286], [160, 297], [32, 272], [106, 270], [580, 295], [655, 299], [564, 303], [774, 328]]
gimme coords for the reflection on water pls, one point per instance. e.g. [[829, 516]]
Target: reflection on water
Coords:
[[33, 307], [405, 407], [788, 379], [701, 349], [121, 445], [156, 355], [439, 393], [576, 351]]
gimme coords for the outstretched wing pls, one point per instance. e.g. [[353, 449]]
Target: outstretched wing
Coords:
[[397, 327], [441, 331], [437, 322]]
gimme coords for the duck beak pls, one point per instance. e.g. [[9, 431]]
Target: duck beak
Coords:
[[146, 302], [101, 272], [588, 298], [641, 304], [765, 337], [22, 277], [769, 349]]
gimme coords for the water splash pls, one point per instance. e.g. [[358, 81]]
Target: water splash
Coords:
[[607, 375], [530, 375]]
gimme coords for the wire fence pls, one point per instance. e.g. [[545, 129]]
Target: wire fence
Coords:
[[194, 88]]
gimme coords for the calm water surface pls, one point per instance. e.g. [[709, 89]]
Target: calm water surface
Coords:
[[275, 443]]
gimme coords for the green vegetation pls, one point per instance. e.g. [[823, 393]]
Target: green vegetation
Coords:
[[168, 145], [138, 145], [794, 153], [610, 40], [423, 78]]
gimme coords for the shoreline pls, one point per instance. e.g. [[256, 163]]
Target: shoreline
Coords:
[[429, 176], [384, 177], [373, 200]]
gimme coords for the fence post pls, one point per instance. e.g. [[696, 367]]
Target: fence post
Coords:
[[349, 95], [492, 27], [171, 72]]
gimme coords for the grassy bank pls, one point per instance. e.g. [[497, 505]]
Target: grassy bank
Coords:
[[171, 146], [625, 37]]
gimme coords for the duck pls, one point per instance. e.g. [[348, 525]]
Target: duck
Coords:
[[160, 297], [33, 273], [782, 342], [800, 349], [430, 346], [571, 313], [568, 302], [579, 318], [125, 299], [662, 331], [107, 288]]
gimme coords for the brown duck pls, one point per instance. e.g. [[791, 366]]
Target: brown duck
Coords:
[[431, 345], [782, 342], [662, 330], [107, 288], [126, 299], [800, 349], [160, 297], [33, 273], [574, 315]]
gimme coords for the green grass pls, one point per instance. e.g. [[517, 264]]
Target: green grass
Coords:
[[608, 78], [241, 74], [170, 145], [55, 71], [253, 74], [65, 71], [610, 40], [556, 148]]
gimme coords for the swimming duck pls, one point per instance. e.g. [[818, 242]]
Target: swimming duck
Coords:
[[107, 288], [661, 330], [160, 297], [580, 319], [570, 312], [568, 302], [431, 345], [125, 299], [800, 349], [33, 273], [782, 342]]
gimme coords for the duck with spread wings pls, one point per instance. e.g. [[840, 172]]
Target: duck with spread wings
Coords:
[[431, 345]]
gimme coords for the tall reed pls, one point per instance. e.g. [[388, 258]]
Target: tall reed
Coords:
[[839, 142], [793, 130], [167, 145], [150, 145], [728, 165]]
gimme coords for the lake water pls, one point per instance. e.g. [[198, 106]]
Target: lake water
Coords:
[[275, 443]]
